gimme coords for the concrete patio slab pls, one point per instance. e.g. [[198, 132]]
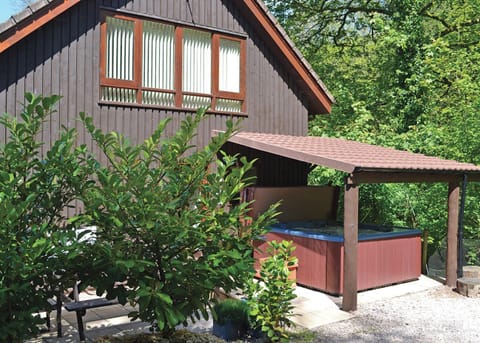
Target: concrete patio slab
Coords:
[[422, 284], [313, 309], [314, 319]]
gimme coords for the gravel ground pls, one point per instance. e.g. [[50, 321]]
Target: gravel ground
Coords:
[[437, 315]]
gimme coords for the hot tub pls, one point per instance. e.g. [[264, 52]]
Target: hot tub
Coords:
[[386, 254]]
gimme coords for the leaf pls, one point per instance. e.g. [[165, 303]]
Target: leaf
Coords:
[[29, 97], [39, 243], [165, 298]]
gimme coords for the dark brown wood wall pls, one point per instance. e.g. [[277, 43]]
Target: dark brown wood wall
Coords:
[[272, 170], [62, 58]]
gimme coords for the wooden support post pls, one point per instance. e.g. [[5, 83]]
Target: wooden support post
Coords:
[[59, 314], [424, 252], [350, 234], [452, 232]]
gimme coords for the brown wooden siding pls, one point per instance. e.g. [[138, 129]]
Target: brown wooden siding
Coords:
[[272, 170], [62, 58]]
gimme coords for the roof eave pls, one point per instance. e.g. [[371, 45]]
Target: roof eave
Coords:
[[30, 19], [343, 155], [360, 176], [292, 154]]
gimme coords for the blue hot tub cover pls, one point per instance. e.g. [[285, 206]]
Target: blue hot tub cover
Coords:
[[333, 231]]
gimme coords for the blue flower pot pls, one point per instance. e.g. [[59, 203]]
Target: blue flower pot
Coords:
[[230, 331]]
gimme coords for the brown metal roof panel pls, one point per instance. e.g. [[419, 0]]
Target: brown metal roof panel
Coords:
[[7, 24], [291, 152], [347, 156]]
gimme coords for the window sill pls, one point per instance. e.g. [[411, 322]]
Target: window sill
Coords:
[[166, 108]]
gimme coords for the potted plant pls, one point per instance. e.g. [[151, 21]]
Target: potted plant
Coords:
[[230, 319], [270, 300]]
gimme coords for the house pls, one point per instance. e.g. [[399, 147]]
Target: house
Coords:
[[131, 63]]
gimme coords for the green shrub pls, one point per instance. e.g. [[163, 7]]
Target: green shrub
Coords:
[[270, 300], [165, 224], [36, 245], [231, 310]]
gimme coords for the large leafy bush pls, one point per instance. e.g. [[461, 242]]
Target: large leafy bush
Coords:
[[36, 244], [167, 234]]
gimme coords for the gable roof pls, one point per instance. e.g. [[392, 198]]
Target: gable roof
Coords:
[[41, 12]]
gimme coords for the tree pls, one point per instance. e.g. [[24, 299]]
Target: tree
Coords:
[[405, 75]]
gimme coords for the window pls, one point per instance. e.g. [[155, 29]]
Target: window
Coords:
[[161, 64]]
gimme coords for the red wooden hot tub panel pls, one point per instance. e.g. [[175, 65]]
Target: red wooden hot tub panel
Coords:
[[380, 262], [311, 255], [334, 270], [388, 261]]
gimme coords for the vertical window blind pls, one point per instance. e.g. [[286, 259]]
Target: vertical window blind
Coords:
[[158, 63], [229, 66], [196, 67], [158, 55], [120, 49]]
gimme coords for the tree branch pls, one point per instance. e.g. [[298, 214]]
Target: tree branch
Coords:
[[459, 27], [440, 20]]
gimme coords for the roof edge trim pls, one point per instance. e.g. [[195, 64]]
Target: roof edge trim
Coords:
[[414, 176], [280, 38], [30, 23]]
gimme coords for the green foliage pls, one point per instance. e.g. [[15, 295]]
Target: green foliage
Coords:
[[270, 300], [232, 310], [35, 243], [404, 75], [165, 226], [180, 336], [183, 336]]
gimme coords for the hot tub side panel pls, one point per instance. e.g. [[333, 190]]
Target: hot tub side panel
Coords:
[[334, 268], [380, 263], [311, 255], [312, 262], [388, 261]]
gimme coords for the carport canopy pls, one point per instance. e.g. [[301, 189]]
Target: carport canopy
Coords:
[[366, 163]]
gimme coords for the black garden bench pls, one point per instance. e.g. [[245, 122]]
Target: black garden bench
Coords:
[[81, 307], [72, 303]]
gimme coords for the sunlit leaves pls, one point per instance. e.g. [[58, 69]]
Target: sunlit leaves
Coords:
[[35, 241], [166, 224]]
